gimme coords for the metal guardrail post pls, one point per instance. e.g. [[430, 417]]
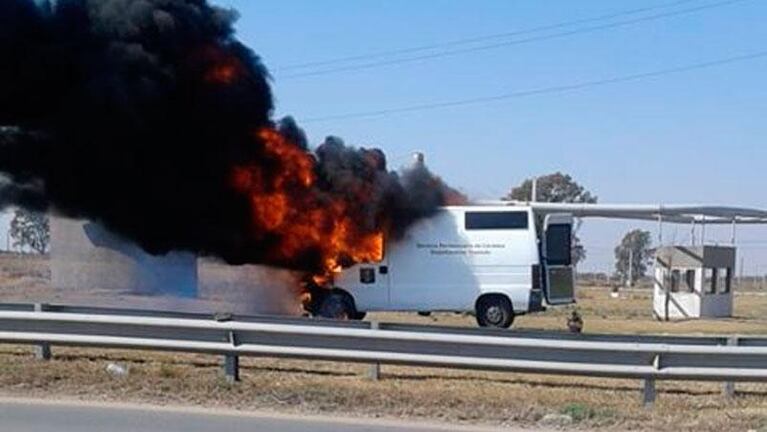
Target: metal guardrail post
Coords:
[[232, 362], [232, 368], [648, 389], [729, 386], [648, 392], [374, 370], [42, 349]]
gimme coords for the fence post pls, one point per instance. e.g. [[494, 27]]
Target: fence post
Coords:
[[374, 370], [729, 386], [42, 349]]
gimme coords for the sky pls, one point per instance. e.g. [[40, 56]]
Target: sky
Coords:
[[692, 137], [689, 137]]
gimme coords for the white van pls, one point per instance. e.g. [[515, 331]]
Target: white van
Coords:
[[481, 259]]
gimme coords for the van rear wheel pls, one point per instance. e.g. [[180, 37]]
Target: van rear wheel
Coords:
[[494, 311]]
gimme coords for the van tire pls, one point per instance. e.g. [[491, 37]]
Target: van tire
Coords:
[[494, 310], [338, 305]]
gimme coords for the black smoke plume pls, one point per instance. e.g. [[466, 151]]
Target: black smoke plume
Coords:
[[133, 113]]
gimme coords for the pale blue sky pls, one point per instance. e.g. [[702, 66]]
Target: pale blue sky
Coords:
[[688, 137]]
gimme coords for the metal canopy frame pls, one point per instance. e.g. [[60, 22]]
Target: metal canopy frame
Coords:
[[674, 213]]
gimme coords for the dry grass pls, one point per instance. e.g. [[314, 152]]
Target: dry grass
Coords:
[[407, 392], [404, 392]]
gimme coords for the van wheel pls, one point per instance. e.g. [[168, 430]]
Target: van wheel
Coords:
[[358, 316], [337, 306], [494, 311]]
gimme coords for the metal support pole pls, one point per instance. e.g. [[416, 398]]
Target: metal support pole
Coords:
[[734, 230], [630, 280], [232, 368], [660, 229], [648, 392], [42, 349], [740, 273], [692, 233], [729, 386], [232, 362], [374, 370]]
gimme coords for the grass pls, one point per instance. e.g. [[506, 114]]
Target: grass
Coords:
[[455, 396], [581, 412]]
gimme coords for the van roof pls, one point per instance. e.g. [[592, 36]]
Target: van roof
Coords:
[[488, 206]]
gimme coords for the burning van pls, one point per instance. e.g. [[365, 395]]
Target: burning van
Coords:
[[494, 261]]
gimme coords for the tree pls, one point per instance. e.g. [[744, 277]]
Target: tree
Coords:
[[633, 255], [30, 230], [557, 187]]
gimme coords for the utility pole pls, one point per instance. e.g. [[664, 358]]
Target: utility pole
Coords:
[[630, 280]]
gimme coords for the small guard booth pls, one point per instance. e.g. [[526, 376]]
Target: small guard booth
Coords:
[[693, 282]]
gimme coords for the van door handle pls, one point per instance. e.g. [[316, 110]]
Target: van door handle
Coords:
[[383, 269]]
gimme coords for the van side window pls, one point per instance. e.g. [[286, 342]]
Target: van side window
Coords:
[[478, 220], [367, 275]]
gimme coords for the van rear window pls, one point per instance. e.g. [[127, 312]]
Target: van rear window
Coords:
[[496, 220]]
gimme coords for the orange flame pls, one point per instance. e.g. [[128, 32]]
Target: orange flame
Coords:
[[221, 68], [286, 205], [223, 74]]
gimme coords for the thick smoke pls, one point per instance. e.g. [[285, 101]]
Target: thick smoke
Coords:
[[134, 113]]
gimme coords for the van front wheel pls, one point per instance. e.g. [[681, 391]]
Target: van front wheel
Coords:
[[494, 311], [338, 305]]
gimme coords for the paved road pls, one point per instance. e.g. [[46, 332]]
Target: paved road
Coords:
[[35, 416]]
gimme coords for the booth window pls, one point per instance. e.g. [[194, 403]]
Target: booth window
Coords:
[[675, 276], [667, 280], [689, 280], [709, 280], [724, 280]]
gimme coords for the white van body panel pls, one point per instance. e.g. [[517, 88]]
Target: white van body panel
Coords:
[[440, 265]]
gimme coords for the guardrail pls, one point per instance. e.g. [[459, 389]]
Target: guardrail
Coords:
[[649, 358]]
